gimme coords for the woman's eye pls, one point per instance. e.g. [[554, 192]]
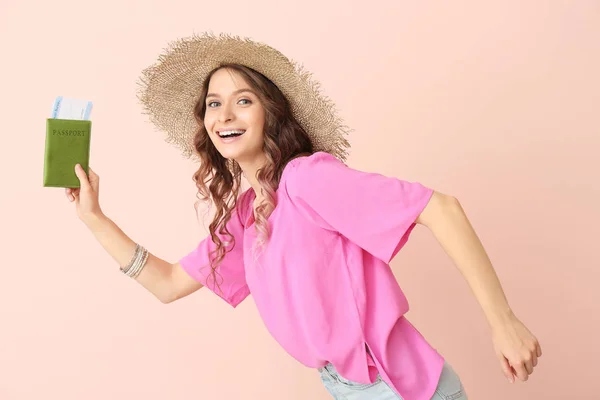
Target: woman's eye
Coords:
[[214, 104]]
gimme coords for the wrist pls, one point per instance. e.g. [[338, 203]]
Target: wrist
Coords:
[[94, 220], [501, 318]]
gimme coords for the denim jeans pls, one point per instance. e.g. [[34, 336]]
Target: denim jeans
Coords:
[[449, 387]]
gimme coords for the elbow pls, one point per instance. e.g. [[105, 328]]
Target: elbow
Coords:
[[166, 297], [167, 290], [167, 293], [165, 300]]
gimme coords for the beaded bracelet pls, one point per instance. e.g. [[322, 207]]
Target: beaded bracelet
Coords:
[[137, 262]]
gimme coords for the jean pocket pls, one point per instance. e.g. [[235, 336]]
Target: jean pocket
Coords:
[[329, 373], [449, 386]]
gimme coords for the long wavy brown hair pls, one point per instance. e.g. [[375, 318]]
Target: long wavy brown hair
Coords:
[[219, 179]]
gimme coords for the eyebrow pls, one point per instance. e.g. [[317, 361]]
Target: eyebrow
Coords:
[[233, 94]]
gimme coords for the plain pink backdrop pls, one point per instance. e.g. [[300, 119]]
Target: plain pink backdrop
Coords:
[[494, 102]]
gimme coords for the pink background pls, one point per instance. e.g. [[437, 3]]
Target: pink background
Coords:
[[494, 102]]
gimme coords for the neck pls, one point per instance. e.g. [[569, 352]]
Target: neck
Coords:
[[250, 168]]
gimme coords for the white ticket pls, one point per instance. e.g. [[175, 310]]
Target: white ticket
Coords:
[[69, 108]]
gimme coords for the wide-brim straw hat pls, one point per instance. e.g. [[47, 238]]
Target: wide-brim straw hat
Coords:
[[169, 89]]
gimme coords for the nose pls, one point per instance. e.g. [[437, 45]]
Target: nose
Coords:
[[226, 113]]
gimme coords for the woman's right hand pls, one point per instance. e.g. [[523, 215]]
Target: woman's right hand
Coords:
[[86, 197]]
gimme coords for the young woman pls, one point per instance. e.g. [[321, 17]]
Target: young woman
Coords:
[[311, 239]]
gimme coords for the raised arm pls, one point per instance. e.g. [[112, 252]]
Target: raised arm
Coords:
[[166, 281]]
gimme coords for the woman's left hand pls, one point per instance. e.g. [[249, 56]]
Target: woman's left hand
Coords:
[[516, 347]]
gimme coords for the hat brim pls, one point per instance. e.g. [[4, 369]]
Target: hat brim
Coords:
[[169, 89]]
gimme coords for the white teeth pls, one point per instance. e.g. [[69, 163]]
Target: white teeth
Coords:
[[232, 132]]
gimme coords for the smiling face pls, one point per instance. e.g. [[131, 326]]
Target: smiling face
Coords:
[[234, 117]]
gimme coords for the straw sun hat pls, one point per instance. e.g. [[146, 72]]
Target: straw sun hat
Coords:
[[169, 89]]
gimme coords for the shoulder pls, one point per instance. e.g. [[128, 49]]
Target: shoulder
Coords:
[[313, 164], [315, 159], [312, 171]]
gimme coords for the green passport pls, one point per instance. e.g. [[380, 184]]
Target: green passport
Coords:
[[67, 144]]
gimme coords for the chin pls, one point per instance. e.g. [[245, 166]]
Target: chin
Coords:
[[232, 153], [229, 151], [235, 151]]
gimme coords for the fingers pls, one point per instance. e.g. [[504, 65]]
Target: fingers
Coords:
[[524, 368], [71, 193], [531, 358], [94, 179], [520, 367], [529, 366], [506, 369], [521, 371], [518, 351], [83, 179]]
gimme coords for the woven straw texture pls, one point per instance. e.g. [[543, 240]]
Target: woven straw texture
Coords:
[[169, 89]]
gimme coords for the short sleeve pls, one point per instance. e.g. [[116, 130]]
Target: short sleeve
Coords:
[[374, 211], [231, 277]]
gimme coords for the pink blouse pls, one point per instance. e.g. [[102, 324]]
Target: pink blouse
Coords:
[[322, 284]]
